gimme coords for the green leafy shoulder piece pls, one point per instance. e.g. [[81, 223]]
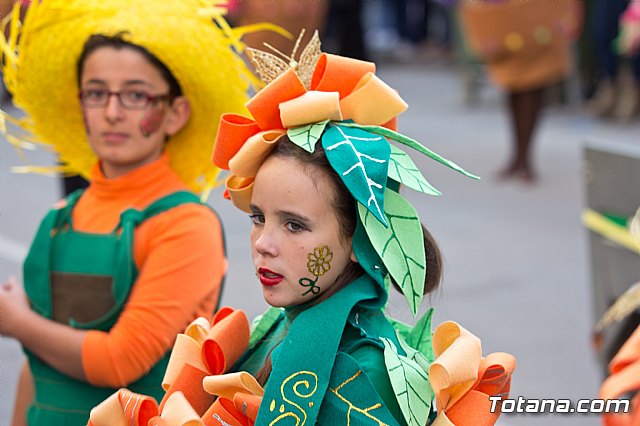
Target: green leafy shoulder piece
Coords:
[[263, 323], [409, 376], [400, 245], [419, 336]]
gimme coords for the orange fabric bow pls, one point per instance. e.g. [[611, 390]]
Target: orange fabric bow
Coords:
[[463, 381], [205, 349], [124, 408], [193, 380], [625, 377], [341, 88], [239, 398]]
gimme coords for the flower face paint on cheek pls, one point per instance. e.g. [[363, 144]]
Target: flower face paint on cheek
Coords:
[[152, 120], [318, 263]]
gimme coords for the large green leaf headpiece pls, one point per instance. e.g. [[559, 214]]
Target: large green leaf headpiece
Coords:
[[341, 103]]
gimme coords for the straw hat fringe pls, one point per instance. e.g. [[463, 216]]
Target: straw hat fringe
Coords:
[[191, 37]]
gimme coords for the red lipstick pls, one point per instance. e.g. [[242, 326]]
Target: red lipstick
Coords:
[[269, 278]]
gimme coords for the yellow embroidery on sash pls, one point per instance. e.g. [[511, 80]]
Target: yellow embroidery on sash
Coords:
[[303, 387], [352, 407]]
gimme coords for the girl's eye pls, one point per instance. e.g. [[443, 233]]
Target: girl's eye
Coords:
[[136, 96], [257, 219], [294, 227], [94, 94]]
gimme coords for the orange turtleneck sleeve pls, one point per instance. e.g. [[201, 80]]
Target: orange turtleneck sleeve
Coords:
[[180, 258]]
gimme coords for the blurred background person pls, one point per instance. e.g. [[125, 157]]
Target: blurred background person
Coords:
[[117, 270], [526, 48], [291, 15], [617, 79]]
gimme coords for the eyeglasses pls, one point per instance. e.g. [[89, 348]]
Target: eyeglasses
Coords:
[[128, 99]]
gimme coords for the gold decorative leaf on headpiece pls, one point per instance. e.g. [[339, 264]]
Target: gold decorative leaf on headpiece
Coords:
[[269, 66]]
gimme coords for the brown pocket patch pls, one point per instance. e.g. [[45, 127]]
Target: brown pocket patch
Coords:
[[81, 297]]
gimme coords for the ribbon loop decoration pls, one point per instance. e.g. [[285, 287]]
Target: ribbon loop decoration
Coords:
[[463, 381], [341, 89]]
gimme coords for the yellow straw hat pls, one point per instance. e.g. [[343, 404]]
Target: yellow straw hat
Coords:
[[190, 37]]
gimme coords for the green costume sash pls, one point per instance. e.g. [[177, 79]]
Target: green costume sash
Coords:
[[83, 280], [307, 376]]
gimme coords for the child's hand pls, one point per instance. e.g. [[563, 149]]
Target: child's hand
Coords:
[[14, 305]]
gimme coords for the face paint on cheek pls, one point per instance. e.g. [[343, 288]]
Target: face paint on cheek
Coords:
[[152, 120], [318, 263]]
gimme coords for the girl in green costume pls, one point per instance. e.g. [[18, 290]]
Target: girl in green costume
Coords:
[[304, 221], [330, 235]]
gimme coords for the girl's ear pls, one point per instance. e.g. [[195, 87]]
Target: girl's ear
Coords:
[[179, 114], [352, 256]]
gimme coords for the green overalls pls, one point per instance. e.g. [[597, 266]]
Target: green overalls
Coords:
[[83, 280]]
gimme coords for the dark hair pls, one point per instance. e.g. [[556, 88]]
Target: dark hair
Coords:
[[117, 42], [345, 208]]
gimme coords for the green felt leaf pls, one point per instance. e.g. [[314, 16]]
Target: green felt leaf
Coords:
[[415, 356], [420, 335], [411, 143], [361, 159], [417, 337], [410, 384], [400, 245], [402, 328], [402, 169], [367, 256], [307, 136], [263, 323]]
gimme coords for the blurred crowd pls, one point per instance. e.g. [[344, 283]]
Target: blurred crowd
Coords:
[[606, 66], [560, 52]]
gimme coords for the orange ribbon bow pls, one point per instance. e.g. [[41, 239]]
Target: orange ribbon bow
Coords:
[[124, 408], [463, 381], [625, 377], [193, 380], [341, 88], [205, 349]]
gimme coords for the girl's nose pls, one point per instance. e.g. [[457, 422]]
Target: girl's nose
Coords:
[[113, 110], [265, 242]]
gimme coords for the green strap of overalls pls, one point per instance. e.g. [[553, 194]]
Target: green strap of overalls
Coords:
[[60, 400]]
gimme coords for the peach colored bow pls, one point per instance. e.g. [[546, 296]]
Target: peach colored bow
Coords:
[[625, 377], [204, 349], [341, 88], [239, 397], [124, 408], [193, 380], [238, 402], [463, 381]]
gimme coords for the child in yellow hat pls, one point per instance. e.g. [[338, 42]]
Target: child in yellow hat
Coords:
[[128, 93]]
